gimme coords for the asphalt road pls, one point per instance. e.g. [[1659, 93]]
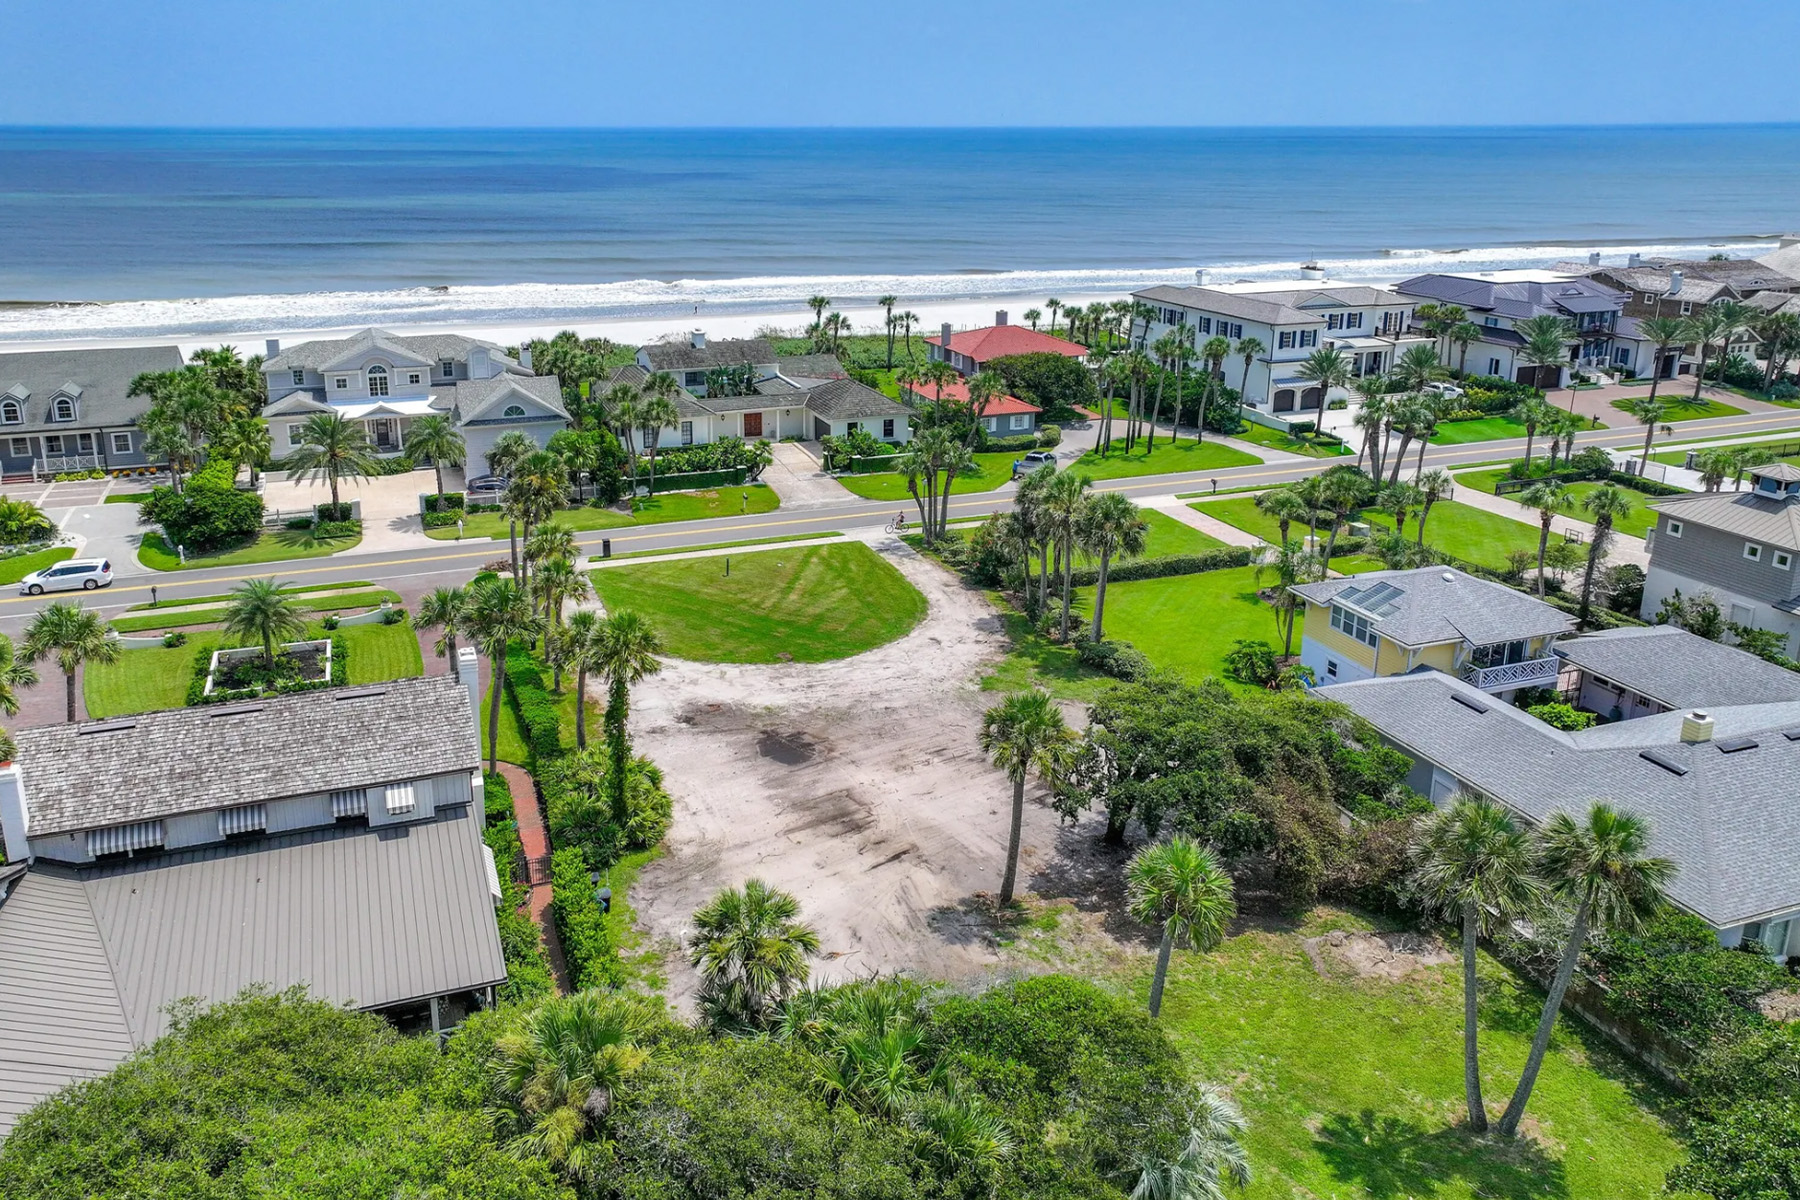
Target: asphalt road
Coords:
[[447, 563]]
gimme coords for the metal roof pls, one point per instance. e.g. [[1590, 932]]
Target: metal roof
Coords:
[[157, 764], [1432, 605], [1771, 519], [90, 959], [1679, 669]]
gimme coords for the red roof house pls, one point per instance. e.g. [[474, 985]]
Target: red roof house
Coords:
[[972, 349], [1003, 414]]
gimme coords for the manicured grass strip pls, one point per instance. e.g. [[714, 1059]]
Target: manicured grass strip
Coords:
[[1473, 534], [1186, 623], [224, 596], [1487, 429], [1352, 1086], [806, 604], [1274, 439], [1230, 491], [1636, 523], [1166, 459], [1243, 514], [991, 470], [1682, 408], [269, 546], [379, 653], [652, 510], [14, 569], [127, 498], [762, 541], [208, 616]]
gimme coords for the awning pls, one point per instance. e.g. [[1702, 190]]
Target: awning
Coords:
[[121, 838], [385, 408], [399, 798], [246, 818], [352, 803]]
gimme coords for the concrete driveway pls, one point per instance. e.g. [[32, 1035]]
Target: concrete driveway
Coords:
[[390, 503], [799, 480]]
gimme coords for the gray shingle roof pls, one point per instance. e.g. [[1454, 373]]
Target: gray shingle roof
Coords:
[[848, 400], [731, 352], [811, 366], [424, 348], [1679, 669], [196, 759], [1730, 822], [1299, 307], [468, 396], [1516, 299], [365, 917], [1441, 604], [99, 377], [1760, 518]]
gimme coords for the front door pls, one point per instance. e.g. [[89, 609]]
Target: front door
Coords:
[[753, 425], [381, 432]]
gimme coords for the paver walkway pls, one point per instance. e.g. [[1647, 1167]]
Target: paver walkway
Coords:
[[799, 480], [536, 840], [1231, 535]]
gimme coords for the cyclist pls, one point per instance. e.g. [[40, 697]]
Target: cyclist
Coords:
[[899, 522]]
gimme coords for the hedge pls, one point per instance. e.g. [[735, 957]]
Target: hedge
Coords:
[[1000, 445], [540, 725], [692, 480], [875, 464], [340, 667], [586, 942], [1162, 568], [528, 974], [497, 799]]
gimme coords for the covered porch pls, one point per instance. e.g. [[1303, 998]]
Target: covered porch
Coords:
[[386, 421]]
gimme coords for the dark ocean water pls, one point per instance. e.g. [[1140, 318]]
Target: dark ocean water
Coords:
[[352, 225]]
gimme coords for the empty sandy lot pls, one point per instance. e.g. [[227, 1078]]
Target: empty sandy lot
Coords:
[[858, 785]]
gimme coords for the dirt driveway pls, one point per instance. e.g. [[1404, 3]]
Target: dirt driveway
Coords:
[[857, 785]]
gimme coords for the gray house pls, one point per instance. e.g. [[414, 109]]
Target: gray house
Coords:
[[1497, 301], [68, 410], [1623, 674], [1740, 546], [198, 851]]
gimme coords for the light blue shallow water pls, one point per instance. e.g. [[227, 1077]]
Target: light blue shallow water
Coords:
[[347, 226]]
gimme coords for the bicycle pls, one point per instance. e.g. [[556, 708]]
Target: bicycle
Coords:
[[897, 525]]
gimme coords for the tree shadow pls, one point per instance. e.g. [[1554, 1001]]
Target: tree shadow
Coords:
[[1391, 1157], [1090, 874]]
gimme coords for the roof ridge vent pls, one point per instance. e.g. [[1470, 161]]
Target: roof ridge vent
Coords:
[[106, 727], [234, 710], [361, 694]]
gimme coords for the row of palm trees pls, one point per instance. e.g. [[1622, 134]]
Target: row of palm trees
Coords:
[[1055, 516]]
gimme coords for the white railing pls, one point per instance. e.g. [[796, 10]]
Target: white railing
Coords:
[[1536, 672], [58, 463]]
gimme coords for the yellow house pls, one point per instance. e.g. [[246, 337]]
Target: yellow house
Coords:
[[1392, 622]]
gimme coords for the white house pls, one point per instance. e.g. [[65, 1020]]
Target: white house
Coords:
[[1371, 326], [1496, 301], [386, 382]]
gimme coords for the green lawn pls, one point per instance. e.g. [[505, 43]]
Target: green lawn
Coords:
[[209, 614], [1487, 429], [803, 604], [127, 497], [222, 597], [1274, 439], [990, 471], [1165, 537], [1637, 523], [1243, 514], [1036, 661], [1167, 459], [762, 541], [652, 510], [18, 567], [1353, 1086], [1187, 622], [1474, 534], [1682, 408], [157, 677], [271, 546]]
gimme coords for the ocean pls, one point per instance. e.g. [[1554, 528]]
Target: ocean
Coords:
[[201, 232]]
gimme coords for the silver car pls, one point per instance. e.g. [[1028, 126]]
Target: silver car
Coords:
[[66, 576]]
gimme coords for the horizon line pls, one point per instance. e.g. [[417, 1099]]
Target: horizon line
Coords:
[[1438, 127]]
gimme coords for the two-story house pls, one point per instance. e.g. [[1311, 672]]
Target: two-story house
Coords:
[[1393, 622], [1496, 301], [1643, 671], [1371, 326], [386, 382], [71, 410], [1740, 546], [1665, 287], [971, 350], [328, 839]]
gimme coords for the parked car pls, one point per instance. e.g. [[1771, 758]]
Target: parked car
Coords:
[[1448, 390], [1032, 461], [66, 576]]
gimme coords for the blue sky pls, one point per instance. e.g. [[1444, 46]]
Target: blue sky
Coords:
[[924, 62]]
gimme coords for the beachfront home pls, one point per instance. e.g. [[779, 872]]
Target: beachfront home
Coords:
[[1392, 622], [973, 349], [70, 410], [1667, 287], [1496, 301], [1002, 416], [1292, 319], [1715, 786], [1740, 546], [330, 839], [385, 382]]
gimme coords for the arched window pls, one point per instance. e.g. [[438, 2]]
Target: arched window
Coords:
[[63, 409], [11, 413], [514, 410], [378, 380]]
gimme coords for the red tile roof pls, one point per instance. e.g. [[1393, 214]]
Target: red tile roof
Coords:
[[999, 406], [998, 341]]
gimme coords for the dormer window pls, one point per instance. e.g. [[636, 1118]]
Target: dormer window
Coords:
[[12, 413], [378, 380], [299, 378], [447, 368], [514, 410], [62, 409]]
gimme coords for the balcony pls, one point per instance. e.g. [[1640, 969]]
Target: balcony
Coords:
[[1534, 672]]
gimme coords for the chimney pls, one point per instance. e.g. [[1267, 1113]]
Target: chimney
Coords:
[[1696, 727], [1593, 258], [272, 347], [697, 339], [478, 363], [468, 673], [1000, 317], [525, 356], [1636, 260], [944, 339], [1674, 282], [14, 813]]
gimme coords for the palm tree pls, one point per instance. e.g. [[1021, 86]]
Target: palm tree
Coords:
[[1649, 412], [246, 441], [657, 412], [559, 583], [1109, 526], [907, 320], [1665, 332], [1286, 506], [558, 1073], [76, 635], [260, 611], [1433, 486], [1023, 734], [1291, 563], [1547, 341], [1328, 368], [444, 608], [1248, 348], [1474, 866], [1179, 885], [1548, 498], [621, 406], [627, 655], [1212, 1156], [888, 302], [1053, 304], [1713, 466], [1033, 316], [583, 651], [499, 614], [434, 437], [508, 451], [1372, 418], [1461, 335], [332, 448], [1214, 353], [750, 948], [1065, 498], [1607, 504], [1600, 867], [1531, 412], [14, 674], [1728, 317], [1339, 494]]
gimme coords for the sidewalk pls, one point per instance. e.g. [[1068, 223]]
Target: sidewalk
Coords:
[[1231, 535], [536, 840]]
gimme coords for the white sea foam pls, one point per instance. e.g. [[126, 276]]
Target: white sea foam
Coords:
[[782, 298]]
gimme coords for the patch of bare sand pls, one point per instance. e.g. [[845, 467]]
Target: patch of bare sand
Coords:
[[1389, 956], [858, 785]]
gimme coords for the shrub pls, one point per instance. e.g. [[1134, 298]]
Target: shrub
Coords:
[[330, 622], [1049, 435], [441, 520], [726, 454], [1056, 384], [586, 941], [205, 516], [326, 530], [1175, 564], [497, 799], [1119, 659], [1562, 716], [445, 502], [858, 443], [332, 512], [298, 523], [1251, 662], [528, 975], [1676, 978], [1784, 390], [393, 616], [174, 639], [22, 522], [575, 788]]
